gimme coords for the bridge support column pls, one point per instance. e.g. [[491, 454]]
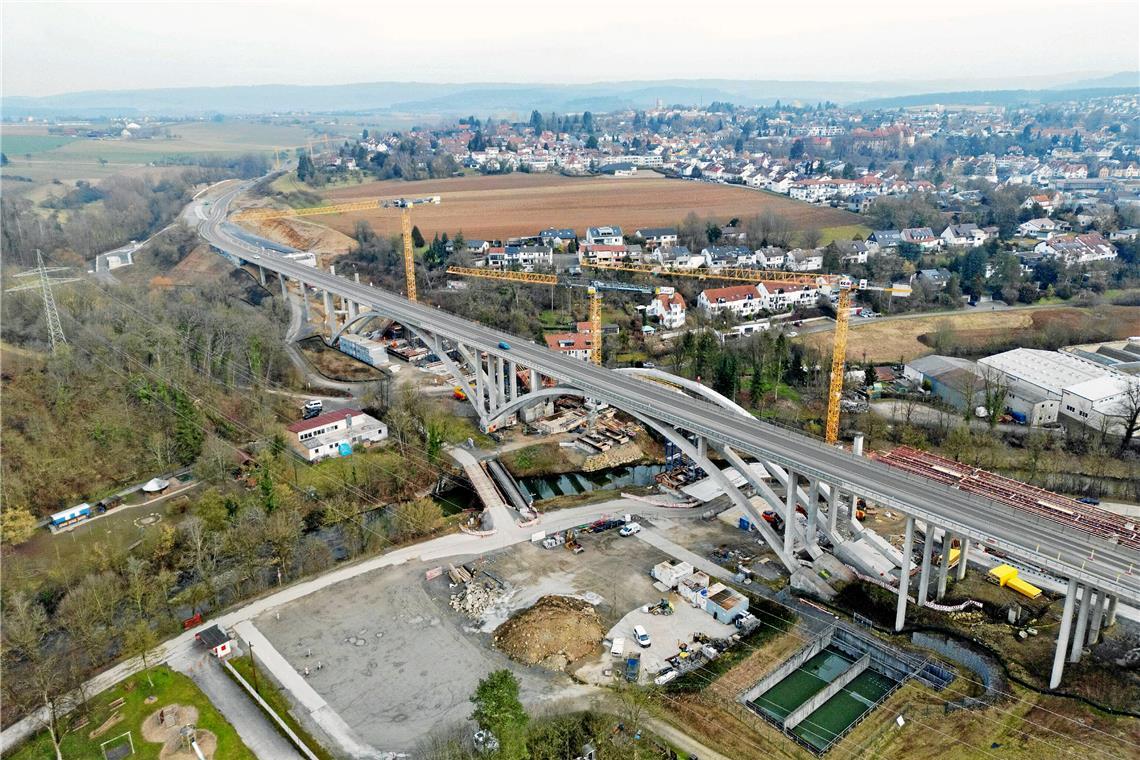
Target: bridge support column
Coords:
[[1110, 620], [353, 306], [330, 315], [790, 512], [904, 572], [1063, 635], [812, 537], [832, 508], [477, 365], [284, 292], [963, 558], [1082, 621], [703, 447], [261, 274], [513, 369], [535, 381], [944, 565], [305, 300], [1097, 617], [924, 574]]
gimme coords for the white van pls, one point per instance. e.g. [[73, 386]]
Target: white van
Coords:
[[617, 648], [641, 636]]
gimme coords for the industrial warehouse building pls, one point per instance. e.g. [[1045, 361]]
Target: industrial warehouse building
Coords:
[[955, 381]]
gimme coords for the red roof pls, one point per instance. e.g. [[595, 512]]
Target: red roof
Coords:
[[732, 293], [323, 419], [576, 341]]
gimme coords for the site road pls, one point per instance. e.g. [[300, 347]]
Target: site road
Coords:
[[1063, 546]]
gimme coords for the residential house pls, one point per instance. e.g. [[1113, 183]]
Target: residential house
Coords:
[[964, 236], [574, 344], [923, 237], [887, 238], [771, 257], [658, 237], [597, 253], [739, 300], [558, 238], [477, 247], [935, 277], [1041, 228], [723, 256], [668, 308], [803, 260], [604, 236]]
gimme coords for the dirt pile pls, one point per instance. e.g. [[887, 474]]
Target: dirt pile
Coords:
[[555, 631]]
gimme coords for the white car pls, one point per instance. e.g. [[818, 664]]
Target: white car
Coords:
[[641, 636], [665, 676], [630, 528]]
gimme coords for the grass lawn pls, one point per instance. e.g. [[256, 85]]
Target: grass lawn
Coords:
[[844, 232], [280, 705], [15, 146], [170, 688]]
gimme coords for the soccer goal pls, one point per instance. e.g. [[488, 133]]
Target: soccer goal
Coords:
[[118, 747]]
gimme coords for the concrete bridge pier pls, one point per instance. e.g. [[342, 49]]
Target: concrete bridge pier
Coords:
[[1097, 618], [1078, 645], [535, 381], [832, 509], [284, 292], [513, 369], [1110, 619], [261, 274], [963, 558], [924, 573], [812, 537], [1063, 635], [305, 299], [790, 512], [330, 315], [944, 565], [904, 572]]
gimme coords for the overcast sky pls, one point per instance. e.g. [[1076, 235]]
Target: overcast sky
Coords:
[[51, 47]]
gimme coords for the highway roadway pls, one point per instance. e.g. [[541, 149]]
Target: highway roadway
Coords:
[[1067, 551]]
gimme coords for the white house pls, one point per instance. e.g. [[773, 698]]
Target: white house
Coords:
[[668, 308], [964, 235], [1041, 228], [658, 237], [1078, 249], [771, 257], [574, 344], [335, 433], [739, 300], [1102, 403], [604, 235], [803, 260]]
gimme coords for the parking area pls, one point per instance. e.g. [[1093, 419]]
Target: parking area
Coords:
[[396, 661]]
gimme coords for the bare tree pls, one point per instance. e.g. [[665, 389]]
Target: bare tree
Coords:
[[1126, 414], [995, 386], [140, 640]]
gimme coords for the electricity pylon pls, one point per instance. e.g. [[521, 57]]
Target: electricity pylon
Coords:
[[45, 280]]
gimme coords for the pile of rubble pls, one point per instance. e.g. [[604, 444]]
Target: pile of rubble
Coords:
[[473, 599]]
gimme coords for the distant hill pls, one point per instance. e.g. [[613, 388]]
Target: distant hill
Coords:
[[505, 98], [1119, 79], [996, 97]]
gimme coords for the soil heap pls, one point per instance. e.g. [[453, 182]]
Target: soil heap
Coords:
[[556, 631]]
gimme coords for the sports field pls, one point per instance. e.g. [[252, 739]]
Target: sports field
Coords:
[[496, 207]]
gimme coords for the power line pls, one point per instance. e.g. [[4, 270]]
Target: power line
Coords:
[[45, 280]]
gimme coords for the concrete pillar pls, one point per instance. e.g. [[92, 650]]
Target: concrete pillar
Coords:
[[261, 274], [1063, 635], [703, 448], [500, 376], [832, 508], [1110, 619], [904, 573], [944, 565], [305, 300], [963, 558], [1097, 617], [852, 520], [356, 276], [330, 315], [790, 512], [479, 403], [284, 292], [1082, 621], [924, 574], [514, 370], [535, 381], [813, 513], [352, 312], [857, 445]]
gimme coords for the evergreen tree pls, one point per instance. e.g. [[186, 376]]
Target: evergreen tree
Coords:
[[417, 237]]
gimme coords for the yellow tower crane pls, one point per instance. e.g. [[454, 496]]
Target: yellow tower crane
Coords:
[[539, 278], [404, 204]]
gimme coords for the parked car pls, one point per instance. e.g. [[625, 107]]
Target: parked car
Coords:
[[641, 636], [312, 408], [630, 529], [665, 676]]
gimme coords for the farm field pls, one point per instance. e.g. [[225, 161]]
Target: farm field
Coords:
[[522, 204], [61, 157], [887, 340]]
